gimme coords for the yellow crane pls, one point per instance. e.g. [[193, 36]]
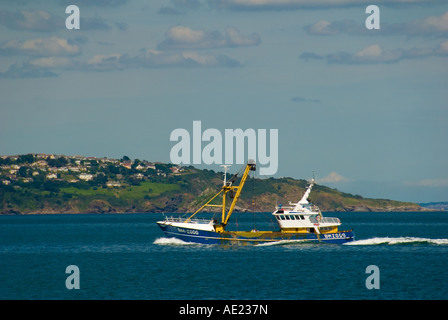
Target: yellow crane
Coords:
[[235, 192]]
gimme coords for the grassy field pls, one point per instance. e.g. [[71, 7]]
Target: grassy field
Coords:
[[150, 189]]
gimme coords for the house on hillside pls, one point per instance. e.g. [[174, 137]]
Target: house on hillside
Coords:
[[112, 184], [127, 164], [85, 176]]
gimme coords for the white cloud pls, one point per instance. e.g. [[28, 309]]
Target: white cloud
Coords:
[[371, 51], [434, 26], [104, 62], [37, 20], [332, 177], [181, 37], [180, 34], [234, 38], [298, 4], [443, 48], [51, 63], [43, 21], [321, 27], [157, 58], [439, 23], [374, 54], [45, 66], [53, 46], [99, 3]]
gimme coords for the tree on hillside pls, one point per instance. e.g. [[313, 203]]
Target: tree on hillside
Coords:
[[59, 162], [23, 171], [26, 158]]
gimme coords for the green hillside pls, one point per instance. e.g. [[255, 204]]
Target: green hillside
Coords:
[[41, 183]]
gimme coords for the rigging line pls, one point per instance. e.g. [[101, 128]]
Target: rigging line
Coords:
[[235, 176], [236, 216], [201, 204], [271, 222], [253, 199], [230, 182]]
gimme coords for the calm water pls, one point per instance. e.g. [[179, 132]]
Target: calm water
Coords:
[[128, 257]]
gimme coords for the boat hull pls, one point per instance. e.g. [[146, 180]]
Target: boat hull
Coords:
[[251, 238]]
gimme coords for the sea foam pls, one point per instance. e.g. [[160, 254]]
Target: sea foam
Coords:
[[282, 242], [172, 241], [394, 241]]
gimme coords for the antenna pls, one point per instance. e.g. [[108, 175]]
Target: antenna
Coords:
[[225, 166]]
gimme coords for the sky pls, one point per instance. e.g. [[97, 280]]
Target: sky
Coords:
[[365, 109]]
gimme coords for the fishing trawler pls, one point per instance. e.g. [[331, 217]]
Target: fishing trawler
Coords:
[[298, 222]]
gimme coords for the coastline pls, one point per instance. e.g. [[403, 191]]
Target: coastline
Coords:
[[52, 184]]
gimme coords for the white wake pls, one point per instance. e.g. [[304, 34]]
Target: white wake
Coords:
[[172, 241], [393, 241], [282, 242]]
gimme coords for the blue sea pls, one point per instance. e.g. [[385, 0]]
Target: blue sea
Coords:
[[126, 256]]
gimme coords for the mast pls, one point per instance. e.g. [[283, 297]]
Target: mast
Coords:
[[224, 194], [249, 167], [225, 166], [304, 199], [228, 187]]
